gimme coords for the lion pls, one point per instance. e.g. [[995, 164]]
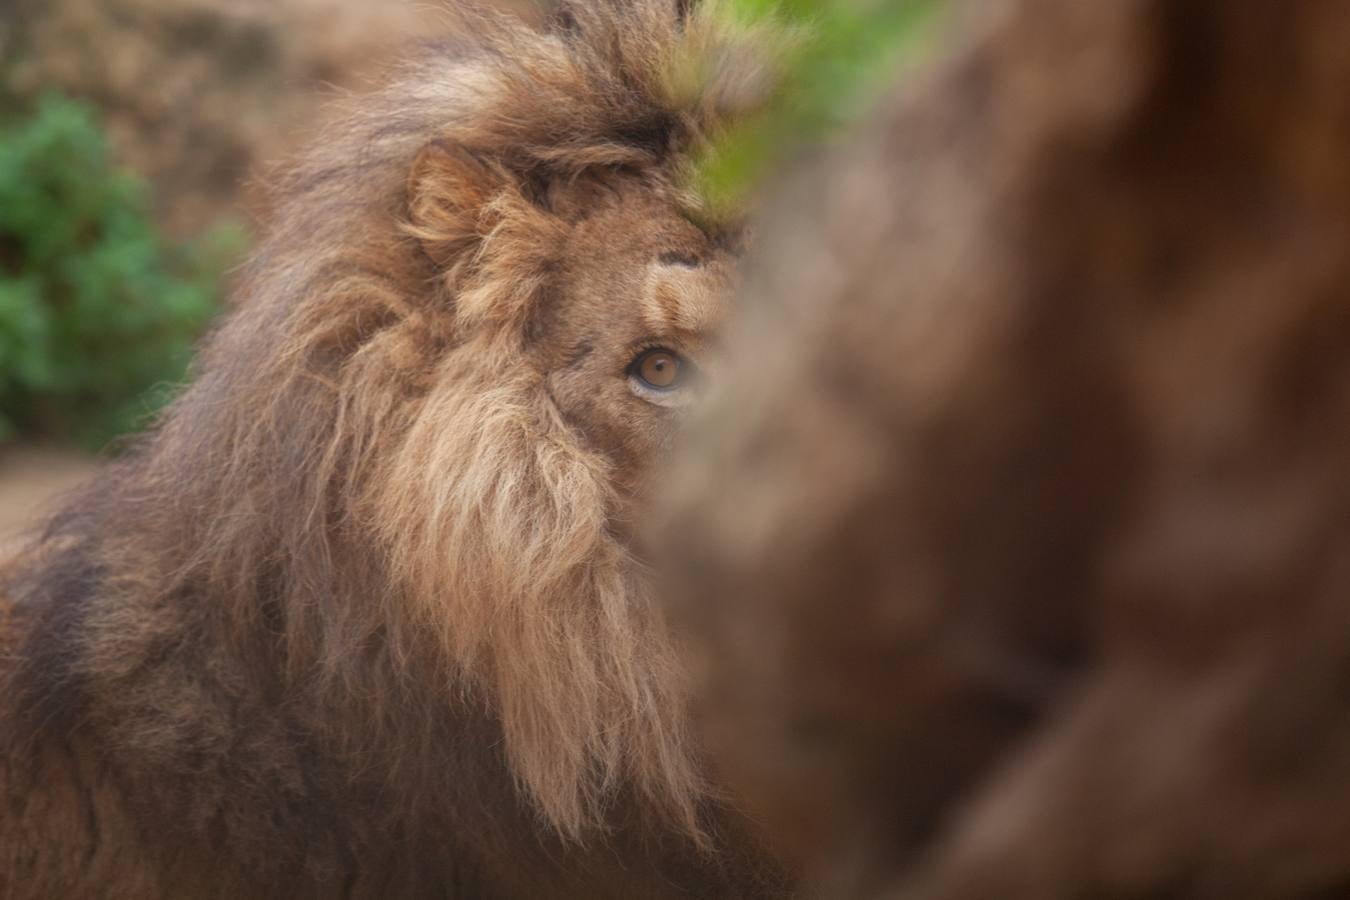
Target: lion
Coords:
[[365, 615]]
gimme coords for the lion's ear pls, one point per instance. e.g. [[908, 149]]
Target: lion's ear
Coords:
[[450, 194]]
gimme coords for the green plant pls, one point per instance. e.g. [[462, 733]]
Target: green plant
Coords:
[[98, 313], [834, 54]]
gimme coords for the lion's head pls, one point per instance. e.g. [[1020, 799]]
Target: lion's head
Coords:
[[577, 311]]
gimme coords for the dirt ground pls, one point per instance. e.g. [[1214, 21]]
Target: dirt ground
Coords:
[[31, 477]]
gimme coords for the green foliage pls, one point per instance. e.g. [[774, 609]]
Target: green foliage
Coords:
[[97, 312], [836, 55]]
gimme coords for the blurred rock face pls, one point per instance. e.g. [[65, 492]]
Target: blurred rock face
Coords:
[[1015, 552], [197, 94]]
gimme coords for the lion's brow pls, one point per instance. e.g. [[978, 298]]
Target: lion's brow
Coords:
[[682, 298], [680, 258]]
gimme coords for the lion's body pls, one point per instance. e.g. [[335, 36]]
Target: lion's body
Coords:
[[361, 617]]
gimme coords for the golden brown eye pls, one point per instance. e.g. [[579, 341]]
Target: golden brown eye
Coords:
[[659, 368]]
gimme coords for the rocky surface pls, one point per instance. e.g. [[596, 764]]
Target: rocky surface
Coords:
[[196, 95], [1015, 554]]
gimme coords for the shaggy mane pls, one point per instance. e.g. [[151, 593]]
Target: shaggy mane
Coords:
[[365, 493]]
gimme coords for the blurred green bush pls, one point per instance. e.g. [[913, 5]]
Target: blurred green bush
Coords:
[[98, 313], [835, 56]]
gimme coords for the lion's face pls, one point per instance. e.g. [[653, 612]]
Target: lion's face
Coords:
[[598, 284], [582, 311], [623, 342]]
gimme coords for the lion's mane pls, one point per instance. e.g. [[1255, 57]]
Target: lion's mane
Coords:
[[362, 508]]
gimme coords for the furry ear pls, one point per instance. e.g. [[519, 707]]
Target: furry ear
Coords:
[[488, 229], [451, 192]]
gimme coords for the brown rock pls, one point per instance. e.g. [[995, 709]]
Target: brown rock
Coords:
[[197, 95], [1016, 554]]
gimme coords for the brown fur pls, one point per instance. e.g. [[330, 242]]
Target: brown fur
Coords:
[[363, 616]]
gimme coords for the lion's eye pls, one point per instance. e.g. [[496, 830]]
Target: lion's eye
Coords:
[[659, 369]]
